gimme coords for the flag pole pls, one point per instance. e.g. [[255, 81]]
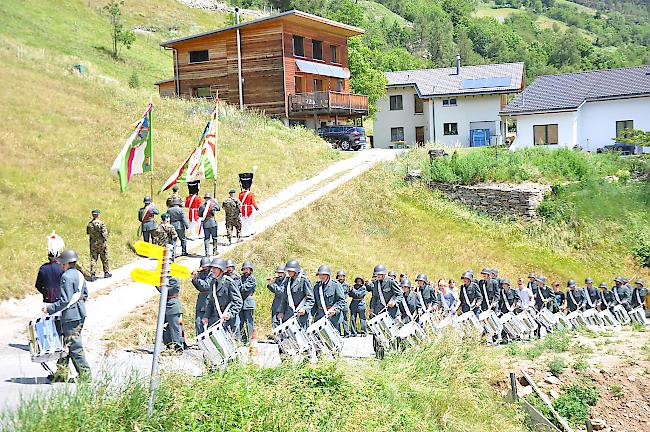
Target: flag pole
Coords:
[[216, 143], [151, 138]]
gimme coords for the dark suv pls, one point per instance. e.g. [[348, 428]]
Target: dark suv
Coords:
[[344, 137]]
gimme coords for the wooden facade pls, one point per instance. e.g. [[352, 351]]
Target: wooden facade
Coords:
[[270, 67]]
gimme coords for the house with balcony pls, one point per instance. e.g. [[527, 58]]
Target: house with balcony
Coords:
[[293, 66], [455, 107]]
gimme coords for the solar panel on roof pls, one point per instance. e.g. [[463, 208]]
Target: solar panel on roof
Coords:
[[478, 83]]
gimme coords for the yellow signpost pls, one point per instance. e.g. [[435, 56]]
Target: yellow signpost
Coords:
[[152, 277]]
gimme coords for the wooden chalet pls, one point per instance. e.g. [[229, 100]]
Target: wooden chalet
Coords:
[[294, 65]]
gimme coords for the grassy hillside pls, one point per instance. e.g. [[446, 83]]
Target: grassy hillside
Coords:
[[61, 132], [445, 386]]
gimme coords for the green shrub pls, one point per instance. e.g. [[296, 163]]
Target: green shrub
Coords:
[[558, 341], [556, 366], [617, 391], [580, 365], [134, 80], [574, 402], [641, 250]]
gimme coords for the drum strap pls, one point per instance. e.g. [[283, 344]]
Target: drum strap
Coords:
[[463, 288], [424, 307], [381, 294], [216, 303], [75, 297], [618, 298], [321, 295], [573, 299], [589, 302], [487, 299], [638, 296], [290, 297], [505, 299], [406, 308], [602, 297]]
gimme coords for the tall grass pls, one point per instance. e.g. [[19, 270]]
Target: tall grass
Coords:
[[445, 386]]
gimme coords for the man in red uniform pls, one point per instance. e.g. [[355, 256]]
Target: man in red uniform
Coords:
[[193, 202], [248, 210]]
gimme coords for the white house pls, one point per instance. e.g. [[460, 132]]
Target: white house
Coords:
[[584, 109], [450, 106]]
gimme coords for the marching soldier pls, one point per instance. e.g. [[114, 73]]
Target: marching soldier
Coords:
[[329, 297], [621, 293], [298, 295], [179, 222], [165, 233], [410, 304], [470, 294], [73, 315], [248, 210], [224, 300], [575, 299], [201, 280], [345, 313], [173, 196], [425, 292], [275, 285], [358, 306], [606, 298], [489, 290], [173, 332], [591, 294], [393, 275], [146, 216], [206, 212], [544, 296], [192, 203], [508, 298], [247, 286], [232, 207], [98, 235], [232, 273], [386, 295], [638, 294]]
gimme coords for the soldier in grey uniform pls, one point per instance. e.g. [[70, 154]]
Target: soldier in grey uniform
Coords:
[[425, 292], [605, 297], [410, 304], [575, 299], [173, 333], [509, 300], [592, 296], [275, 285], [146, 216], [73, 315], [621, 293], [224, 300], [489, 290], [345, 313], [470, 294], [638, 294], [202, 280], [232, 273], [298, 295], [358, 306], [386, 296], [247, 286], [329, 297], [179, 221], [207, 211]]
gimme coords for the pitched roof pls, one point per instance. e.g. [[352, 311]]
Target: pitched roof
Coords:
[[304, 17], [491, 78], [568, 91]]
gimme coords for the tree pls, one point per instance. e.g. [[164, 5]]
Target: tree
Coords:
[[365, 79], [635, 137], [121, 36]]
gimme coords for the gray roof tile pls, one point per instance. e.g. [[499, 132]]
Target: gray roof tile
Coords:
[[444, 81], [568, 91]]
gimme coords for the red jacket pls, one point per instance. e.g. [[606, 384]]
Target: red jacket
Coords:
[[248, 202], [193, 202]]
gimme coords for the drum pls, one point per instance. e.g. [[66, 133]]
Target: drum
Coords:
[[621, 315], [324, 336], [490, 322], [385, 328], [592, 318], [546, 318], [562, 321], [512, 326], [217, 344], [427, 322], [638, 315], [576, 319], [411, 335], [291, 338], [608, 318], [469, 324], [528, 321], [45, 340]]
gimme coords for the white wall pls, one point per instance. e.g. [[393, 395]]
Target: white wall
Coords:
[[567, 128], [479, 108], [597, 120], [385, 119]]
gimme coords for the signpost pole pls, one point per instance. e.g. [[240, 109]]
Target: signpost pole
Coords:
[[164, 280]]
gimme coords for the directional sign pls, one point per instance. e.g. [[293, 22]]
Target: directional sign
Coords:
[[146, 276], [143, 248], [150, 250], [176, 270]]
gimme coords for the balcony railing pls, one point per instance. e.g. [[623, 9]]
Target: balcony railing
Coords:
[[328, 102]]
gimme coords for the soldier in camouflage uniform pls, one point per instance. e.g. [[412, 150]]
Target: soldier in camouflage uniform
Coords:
[[232, 207], [165, 233], [98, 234]]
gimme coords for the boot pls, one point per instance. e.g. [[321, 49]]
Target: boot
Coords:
[[107, 274]]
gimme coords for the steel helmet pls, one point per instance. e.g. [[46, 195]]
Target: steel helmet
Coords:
[[602, 285], [292, 265], [589, 280], [494, 272], [486, 271], [219, 263], [422, 277], [247, 265], [467, 275], [340, 273], [359, 278], [280, 269], [570, 283], [392, 274], [324, 270], [541, 279], [505, 281], [147, 200], [618, 279], [532, 276], [205, 262], [405, 283], [639, 282], [68, 256], [230, 263], [380, 269], [207, 196]]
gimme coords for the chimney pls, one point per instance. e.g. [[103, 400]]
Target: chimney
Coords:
[[457, 64]]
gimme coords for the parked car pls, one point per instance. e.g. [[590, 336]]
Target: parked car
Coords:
[[345, 137], [624, 149]]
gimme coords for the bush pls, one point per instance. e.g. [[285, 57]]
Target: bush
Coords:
[[641, 250], [556, 366], [134, 80], [574, 402]]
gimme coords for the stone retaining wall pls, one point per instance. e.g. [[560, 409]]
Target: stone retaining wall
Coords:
[[497, 199]]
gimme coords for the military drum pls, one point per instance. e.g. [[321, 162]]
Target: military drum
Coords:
[[45, 340], [217, 344]]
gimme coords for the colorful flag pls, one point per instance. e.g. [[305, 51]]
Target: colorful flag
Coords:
[[136, 156], [201, 164]]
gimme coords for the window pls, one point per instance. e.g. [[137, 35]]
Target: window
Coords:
[[419, 105], [334, 51], [450, 128], [199, 56], [318, 85], [298, 46], [545, 134], [396, 103], [202, 92], [622, 125], [317, 49], [397, 134], [448, 102], [298, 85], [340, 86]]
